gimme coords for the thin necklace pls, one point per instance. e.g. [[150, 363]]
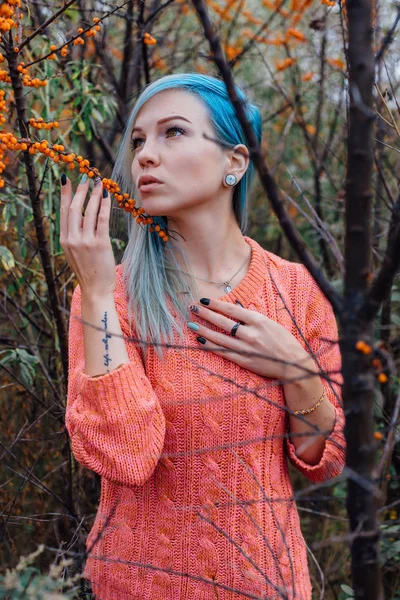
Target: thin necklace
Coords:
[[226, 284]]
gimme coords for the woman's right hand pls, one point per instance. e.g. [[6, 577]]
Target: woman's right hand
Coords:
[[86, 240]]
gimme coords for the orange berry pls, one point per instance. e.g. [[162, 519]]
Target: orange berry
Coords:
[[378, 435], [382, 378]]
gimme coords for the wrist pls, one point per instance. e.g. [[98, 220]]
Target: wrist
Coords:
[[90, 298], [301, 370]]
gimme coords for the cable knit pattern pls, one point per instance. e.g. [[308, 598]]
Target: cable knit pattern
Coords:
[[196, 500]]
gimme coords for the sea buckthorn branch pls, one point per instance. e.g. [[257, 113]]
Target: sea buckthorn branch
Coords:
[[45, 24], [63, 49], [380, 359], [38, 216], [56, 153]]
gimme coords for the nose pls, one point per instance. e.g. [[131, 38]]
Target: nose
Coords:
[[148, 154]]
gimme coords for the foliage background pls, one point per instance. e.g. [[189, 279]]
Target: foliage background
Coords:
[[295, 70]]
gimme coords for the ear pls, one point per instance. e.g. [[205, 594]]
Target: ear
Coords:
[[239, 158]]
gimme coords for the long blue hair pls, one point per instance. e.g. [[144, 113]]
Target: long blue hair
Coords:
[[149, 275]]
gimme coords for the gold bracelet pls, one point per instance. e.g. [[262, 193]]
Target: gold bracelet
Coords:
[[307, 411]]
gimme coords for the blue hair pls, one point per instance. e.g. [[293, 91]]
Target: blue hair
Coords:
[[149, 276]]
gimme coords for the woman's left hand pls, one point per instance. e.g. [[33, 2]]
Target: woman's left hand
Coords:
[[258, 335]]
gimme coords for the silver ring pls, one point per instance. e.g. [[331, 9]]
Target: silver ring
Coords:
[[234, 329]]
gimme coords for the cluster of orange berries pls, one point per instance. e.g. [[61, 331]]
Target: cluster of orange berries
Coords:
[[3, 106], [8, 141], [35, 82], [149, 40], [4, 76], [336, 62], [281, 65], [295, 33], [232, 51], [40, 124], [7, 12], [367, 349], [26, 80]]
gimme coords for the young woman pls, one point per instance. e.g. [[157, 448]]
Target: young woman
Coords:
[[231, 367]]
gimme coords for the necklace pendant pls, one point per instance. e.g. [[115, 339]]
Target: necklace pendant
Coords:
[[227, 287]]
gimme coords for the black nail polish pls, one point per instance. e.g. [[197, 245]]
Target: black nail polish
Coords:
[[105, 192], [194, 308], [237, 302], [63, 179], [205, 301], [201, 340]]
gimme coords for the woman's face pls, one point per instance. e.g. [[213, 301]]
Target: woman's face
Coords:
[[190, 167]]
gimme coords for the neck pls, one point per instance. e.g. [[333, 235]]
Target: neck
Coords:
[[213, 252]]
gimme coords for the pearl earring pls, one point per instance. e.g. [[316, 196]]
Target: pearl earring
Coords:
[[230, 179]]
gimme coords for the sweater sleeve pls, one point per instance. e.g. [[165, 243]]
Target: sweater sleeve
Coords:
[[115, 421], [321, 333]]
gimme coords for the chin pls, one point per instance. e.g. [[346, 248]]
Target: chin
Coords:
[[156, 207]]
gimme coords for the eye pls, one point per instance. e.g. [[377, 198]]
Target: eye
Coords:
[[167, 130]]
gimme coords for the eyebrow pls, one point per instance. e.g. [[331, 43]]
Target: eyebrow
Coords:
[[164, 120]]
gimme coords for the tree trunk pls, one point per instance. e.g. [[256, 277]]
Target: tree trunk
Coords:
[[358, 375]]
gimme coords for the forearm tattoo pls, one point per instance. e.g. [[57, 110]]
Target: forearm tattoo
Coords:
[[107, 359]]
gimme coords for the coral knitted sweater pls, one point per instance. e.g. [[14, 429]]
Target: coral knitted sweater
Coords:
[[196, 500]]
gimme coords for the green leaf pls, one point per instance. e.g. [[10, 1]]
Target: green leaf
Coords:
[[26, 375], [6, 258], [9, 356], [347, 589], [97, 115], [8, 212], [27, 358], [81, 125]]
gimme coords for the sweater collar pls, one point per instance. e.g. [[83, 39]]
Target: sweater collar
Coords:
[[252, 283]]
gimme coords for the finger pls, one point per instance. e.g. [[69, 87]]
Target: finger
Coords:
[[221, 339], [103, 218], [229, 354], [92, 209], [215, 318], [75, 220], [234, 311], [222, 321], [66, 199]]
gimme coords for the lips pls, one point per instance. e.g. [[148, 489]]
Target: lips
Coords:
[[147, 180], [149, 187]]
